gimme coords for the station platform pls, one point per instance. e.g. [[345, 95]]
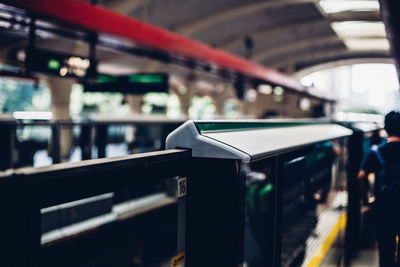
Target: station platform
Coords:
[[326, 247], [328, 232], [365, 257]]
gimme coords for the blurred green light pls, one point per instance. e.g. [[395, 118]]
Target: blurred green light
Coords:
[[107, 79], [147, 78], [278, 91], [53, 64]]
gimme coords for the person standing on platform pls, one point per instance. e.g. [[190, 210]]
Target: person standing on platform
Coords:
[[385, 162]]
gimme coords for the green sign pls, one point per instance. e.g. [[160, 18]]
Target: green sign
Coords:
[[107, 79], [146, 78], [140, 83], [59, 64]]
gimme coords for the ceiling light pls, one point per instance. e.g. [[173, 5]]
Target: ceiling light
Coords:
[[264, 89], [304, 104], [359, 29], [336, 6], [5, 24], [381, 44], [250, 95], [5, 15], [278, 90], [361, 35]]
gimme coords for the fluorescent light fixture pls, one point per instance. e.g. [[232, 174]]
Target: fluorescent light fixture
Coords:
[[264, 89], [5, 24], [304, 104], [278, 90], [336, 6], [33, 115], [21, 55], [250, 95], [361, 35], [5, 15], [359, 29], [114, 69], [380, 44]]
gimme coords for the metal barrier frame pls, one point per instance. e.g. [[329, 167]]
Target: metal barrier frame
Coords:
[[215, 203], [86, 139], [25, 191]]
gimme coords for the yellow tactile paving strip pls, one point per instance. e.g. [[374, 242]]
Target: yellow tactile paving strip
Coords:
[[327, 243]]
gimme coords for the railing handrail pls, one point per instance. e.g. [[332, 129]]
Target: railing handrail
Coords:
[[25, 191], [70, 123], [64, 182], [121, 161]]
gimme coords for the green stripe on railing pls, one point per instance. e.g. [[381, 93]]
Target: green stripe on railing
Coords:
[[234, 126]]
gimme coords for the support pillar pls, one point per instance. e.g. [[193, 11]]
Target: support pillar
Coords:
[[185, 93], [135, 103], [60, 89], [221, 93], [247, 108]]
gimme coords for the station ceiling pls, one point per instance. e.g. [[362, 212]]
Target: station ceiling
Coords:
[[391, 17], [288, 35]]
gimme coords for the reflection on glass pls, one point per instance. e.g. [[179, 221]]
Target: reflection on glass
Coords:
[[284, 198], [259, 223]]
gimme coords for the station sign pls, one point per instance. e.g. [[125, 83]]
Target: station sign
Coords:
[[59, 64], [140, 83]]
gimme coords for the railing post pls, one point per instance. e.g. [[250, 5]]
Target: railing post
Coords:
[[7, 138], [215, 206], [352, 238], [56, 149], [32, 230], [11, 221], [86, 141], [278, 216], [101, 139]]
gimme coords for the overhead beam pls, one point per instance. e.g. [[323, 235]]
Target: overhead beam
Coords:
[[354, 15], [243, 10], [302, 45], [322, 56], [271, 31], [294, 46], [308, 23], [233, 12], [342, 62], [126, 6]]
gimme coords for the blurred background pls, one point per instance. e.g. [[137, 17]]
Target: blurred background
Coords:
[[231, 60]]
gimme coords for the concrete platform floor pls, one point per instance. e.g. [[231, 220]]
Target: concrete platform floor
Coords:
[[364, 258]]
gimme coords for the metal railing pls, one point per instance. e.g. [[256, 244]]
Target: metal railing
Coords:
[[25, 192], [89, 135]]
